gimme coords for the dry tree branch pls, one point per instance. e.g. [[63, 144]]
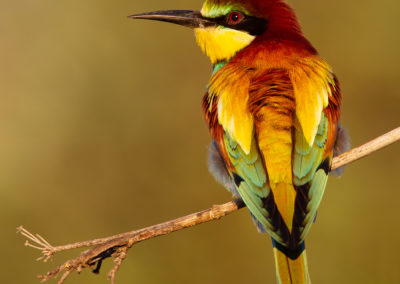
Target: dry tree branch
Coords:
[[117, 246], [366, 149]]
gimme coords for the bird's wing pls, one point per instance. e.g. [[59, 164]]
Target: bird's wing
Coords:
[[315, 116], [250, 178], [311, 166], [312, 161], [281, 153]]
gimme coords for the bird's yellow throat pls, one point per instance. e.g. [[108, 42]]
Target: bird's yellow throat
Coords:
[[221, 44]]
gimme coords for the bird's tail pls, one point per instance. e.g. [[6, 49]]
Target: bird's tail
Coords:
[[291, 268]]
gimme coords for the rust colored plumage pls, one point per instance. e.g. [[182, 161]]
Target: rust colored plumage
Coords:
[[333, 112], [273, 109], [291, 93], [272, 103]]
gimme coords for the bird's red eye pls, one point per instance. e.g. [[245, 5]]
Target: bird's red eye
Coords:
[[235, 18]]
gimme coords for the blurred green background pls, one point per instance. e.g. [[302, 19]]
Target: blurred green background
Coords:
[[102, 132]]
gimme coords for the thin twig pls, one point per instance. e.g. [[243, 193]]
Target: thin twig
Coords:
[[41, 244], [117, 246], [366, 149], [121, 255]]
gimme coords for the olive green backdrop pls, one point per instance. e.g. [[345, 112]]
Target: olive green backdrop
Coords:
[[102, 132]]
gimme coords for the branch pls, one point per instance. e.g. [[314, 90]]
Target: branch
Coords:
[[117, 246], [366, 149]]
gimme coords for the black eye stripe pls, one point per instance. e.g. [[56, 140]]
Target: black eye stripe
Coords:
[[253, 25]]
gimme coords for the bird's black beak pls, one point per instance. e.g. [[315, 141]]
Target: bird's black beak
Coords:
[[187, 18]]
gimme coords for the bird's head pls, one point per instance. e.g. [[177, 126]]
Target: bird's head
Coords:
[[224, 27]]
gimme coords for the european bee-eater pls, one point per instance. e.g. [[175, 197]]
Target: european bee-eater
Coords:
[[273, 108]]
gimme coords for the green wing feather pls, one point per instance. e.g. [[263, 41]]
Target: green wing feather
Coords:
[[254, 186], [315, 193], [307, 158], [306, 161], [248, 166]]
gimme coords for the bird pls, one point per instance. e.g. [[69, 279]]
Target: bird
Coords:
[[273, 109]]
